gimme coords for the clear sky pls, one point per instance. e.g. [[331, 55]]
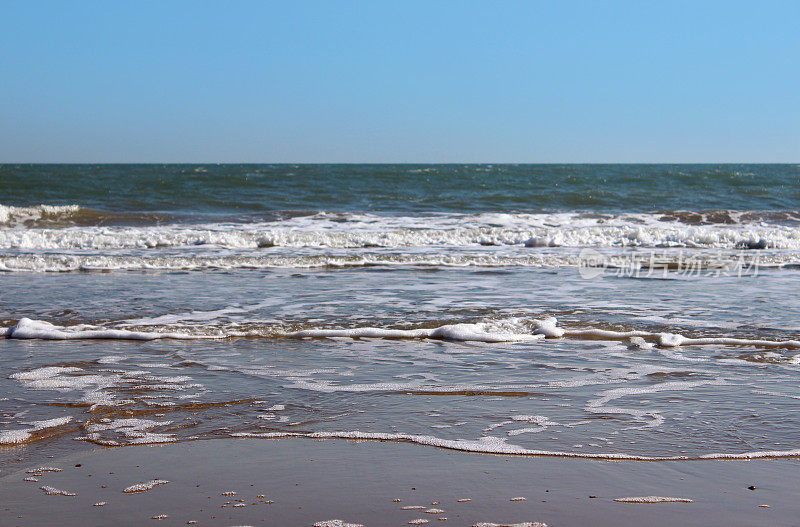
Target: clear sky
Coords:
[[400, 81]]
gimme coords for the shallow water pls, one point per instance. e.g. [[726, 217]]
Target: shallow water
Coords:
[[412, 322]]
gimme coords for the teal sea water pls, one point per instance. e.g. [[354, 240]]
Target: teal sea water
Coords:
[[249, 192], [599, 311]]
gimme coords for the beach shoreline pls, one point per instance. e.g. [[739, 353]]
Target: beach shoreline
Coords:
[[300, 481]]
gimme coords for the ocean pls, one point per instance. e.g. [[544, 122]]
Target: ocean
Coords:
[[597, 311]]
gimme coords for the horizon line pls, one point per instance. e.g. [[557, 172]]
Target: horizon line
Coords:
[[440, 163]]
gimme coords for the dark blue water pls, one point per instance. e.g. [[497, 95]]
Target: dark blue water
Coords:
[[238, 191]]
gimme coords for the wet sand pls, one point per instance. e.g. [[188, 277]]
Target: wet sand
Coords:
[[299, 482]]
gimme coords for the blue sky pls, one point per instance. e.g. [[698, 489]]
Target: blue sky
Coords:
[[374, 81]]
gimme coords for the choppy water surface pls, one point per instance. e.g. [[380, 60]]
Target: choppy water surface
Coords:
[[623, 315]]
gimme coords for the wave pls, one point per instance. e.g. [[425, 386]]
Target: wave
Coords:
[[62, 216], [436, 233], [66, 263], [29, 329], [655, 263], [498, 445], [511, 329], [10, 215]]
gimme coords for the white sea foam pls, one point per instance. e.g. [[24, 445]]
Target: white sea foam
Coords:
[[145, 486], [127, 431], [27, 328], [46, 372], [542, 423], [652, 499], [11, 437], [39, 470], [52, 491], [364, 230], [49, 423], [547, 327], [336, 523], [640, 343], [492, 331], [511, 330], [674, 340], [498, 445], [599, 405], [480, 332], [432, 257]]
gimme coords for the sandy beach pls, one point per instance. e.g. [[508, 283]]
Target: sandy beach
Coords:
[[300, 482]]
